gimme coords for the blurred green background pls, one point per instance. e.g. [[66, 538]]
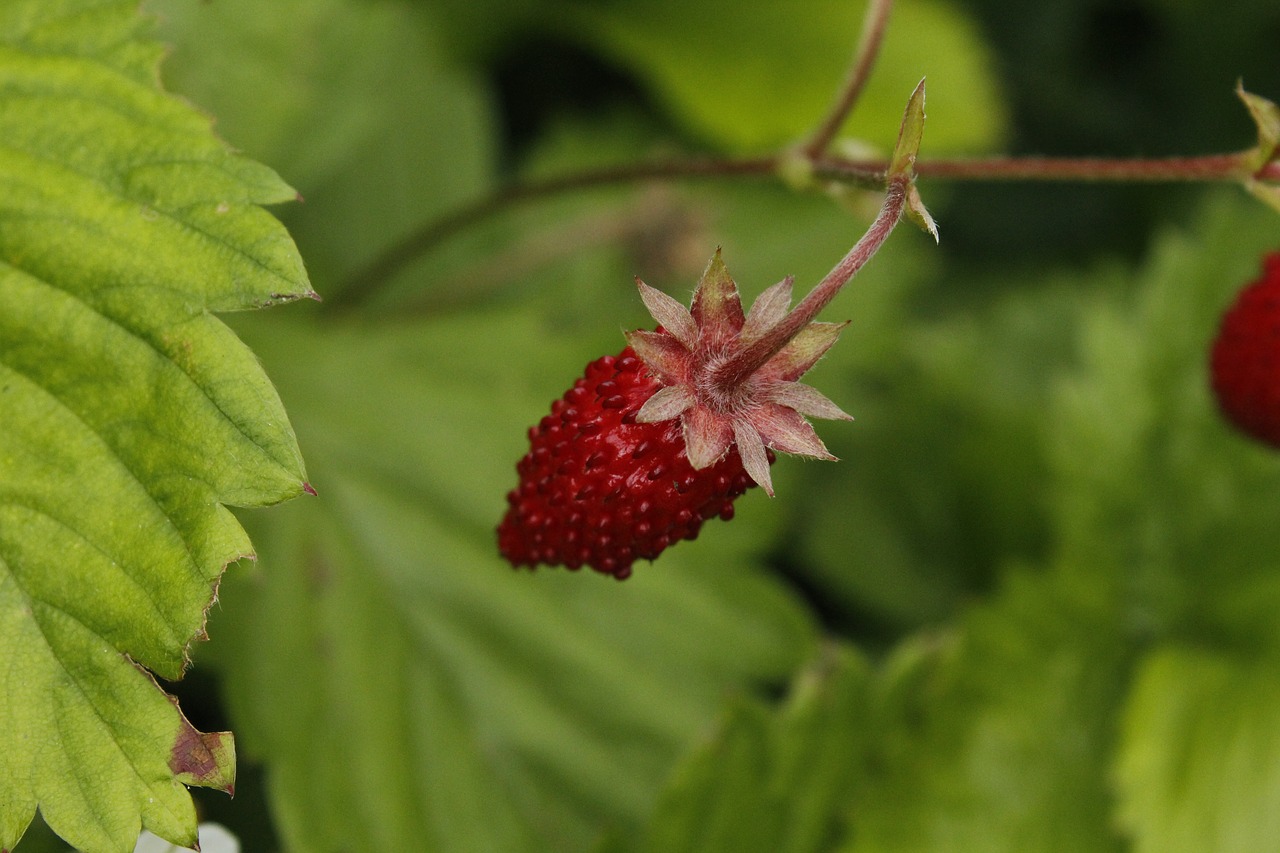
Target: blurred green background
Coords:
[[1031, 609]]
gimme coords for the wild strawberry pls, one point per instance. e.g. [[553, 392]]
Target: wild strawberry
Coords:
[[1245, 362], [651, 443], [599, 489]]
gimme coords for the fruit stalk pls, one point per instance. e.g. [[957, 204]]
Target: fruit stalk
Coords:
[[733, 371]]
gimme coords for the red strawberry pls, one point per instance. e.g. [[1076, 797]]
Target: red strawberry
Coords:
[[641, 450], [650, 444], [1245, 363], [601, 490]]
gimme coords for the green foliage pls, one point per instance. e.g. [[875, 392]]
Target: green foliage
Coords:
[[290, 82], [761, 74], [776, 782], [1197, 766], [536, 708], [130, 416], [1047, 571], [1157, 535]]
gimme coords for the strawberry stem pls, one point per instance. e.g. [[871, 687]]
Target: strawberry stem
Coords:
[[736, 370], [371, 281]]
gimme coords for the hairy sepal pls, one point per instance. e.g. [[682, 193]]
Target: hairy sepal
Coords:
[[768, 310], [762, 411]]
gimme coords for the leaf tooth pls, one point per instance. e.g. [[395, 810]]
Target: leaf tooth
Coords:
[[768, 309], [717, 308], [670, 314], [666, 403], [797, 357], [806, 400], [786, 430], [752, 453], [665, 356], [707, 437]]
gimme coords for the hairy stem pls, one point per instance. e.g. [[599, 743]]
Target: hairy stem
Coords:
[[738, 368], [1213, 167], [368, 282]]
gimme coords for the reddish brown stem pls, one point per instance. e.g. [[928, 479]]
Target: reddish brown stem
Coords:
[[1211, 167], [369, 282], [737, 369]]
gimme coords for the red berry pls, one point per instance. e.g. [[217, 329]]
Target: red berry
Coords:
[[1245, 362], [598, 489], [653, 442]]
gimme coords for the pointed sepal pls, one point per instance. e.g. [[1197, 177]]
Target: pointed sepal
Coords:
[[802, 353], [670, 314], [707, 437], [755, 459], [786, 430], [666, 357], [768, 310], [717, 308], [807, 400], [667, 403]]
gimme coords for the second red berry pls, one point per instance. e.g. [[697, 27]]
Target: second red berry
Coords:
[[1245, 361]]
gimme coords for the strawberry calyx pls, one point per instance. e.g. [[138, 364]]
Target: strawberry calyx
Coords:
[[759, 409], [650, 444], [731, 379]]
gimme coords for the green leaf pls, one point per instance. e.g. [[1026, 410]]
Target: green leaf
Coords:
[[461, 705], [130, 417], [1197, 762], [1148, 479], [920, 515], [1160, 532], [773, 782], [720, 65], [293, 82], [996, 740]]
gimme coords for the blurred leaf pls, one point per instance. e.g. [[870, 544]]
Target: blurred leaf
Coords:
[[353, 102], [1197, 765], [1159, 530], [408, 689], [756, 74], [943, 478], [479, 29], [131, 416], [1001, 743], [773, 782], [1148, 480]]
